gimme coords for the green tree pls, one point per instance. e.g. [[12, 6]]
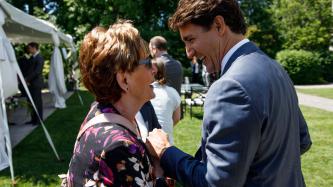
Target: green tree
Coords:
[[303, 24], [78, 17], [261, 28], [29, 6]]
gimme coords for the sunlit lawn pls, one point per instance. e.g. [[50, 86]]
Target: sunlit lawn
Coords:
[[317, 164], [36, 165], [322, 92]]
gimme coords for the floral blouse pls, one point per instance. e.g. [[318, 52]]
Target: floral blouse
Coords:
[[109, 155]]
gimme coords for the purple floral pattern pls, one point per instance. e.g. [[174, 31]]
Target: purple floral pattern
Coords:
[[109, 155]]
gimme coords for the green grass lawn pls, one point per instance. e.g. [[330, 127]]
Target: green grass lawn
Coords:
[[317, 164], [36, 165], [321, 92]]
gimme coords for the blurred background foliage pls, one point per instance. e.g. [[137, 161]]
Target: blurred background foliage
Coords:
[[274, 25]]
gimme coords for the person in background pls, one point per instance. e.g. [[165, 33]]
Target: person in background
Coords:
[[173, 68], [253, 131], [115, 69], [24, 64], [147, 120], [166, 101], [33, 75], [195, 70], [205, 76]]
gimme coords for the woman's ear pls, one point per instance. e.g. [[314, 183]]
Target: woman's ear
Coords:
[[122, 82]]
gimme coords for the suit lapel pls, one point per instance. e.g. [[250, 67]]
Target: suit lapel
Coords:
[[245, 49], [145, 114]]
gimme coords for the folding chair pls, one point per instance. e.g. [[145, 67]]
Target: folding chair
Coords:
[[194, 98]]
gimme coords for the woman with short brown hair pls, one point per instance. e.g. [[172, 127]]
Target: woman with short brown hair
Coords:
[[115, 69]]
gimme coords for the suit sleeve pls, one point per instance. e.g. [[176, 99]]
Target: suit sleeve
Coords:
[[37, 71], [148, 112], [305, 139], [154, 121], [232, 129]]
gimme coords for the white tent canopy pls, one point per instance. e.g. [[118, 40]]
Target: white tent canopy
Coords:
[[19, 27]]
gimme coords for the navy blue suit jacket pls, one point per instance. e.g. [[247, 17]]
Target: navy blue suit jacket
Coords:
[[253, 131], [34, 75], [173, 72], [149, 116]]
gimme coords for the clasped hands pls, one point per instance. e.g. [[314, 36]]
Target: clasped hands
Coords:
[[157, 142]]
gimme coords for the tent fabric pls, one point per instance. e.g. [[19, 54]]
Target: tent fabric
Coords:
[[19, 27], [56, 85], [7, 58], [7, 71], [24, 28], [4, 162]]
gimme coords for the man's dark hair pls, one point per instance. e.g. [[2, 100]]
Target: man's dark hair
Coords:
[[203, 12], [34, 45]]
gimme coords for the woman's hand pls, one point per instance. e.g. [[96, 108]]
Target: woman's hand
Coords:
[[157, 142]]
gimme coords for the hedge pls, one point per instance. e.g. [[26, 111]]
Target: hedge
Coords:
[[303, 67]]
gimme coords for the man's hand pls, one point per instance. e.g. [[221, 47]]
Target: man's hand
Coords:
[[157, 141]]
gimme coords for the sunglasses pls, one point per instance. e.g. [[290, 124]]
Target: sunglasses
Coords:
[[146, 62]]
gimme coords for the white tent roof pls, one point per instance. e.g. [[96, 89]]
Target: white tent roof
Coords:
[[23, 28]]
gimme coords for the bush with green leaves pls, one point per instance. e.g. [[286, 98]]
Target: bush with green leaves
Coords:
[[327, 66], [303, 67]]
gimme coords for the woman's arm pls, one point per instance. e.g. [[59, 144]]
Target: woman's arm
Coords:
[[176, 116]]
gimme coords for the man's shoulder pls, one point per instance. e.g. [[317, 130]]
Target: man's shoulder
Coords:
[[39, 57], [170, 61], [168, 58]]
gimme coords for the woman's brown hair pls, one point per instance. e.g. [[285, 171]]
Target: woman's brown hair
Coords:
[[160, 74], [104, 53]]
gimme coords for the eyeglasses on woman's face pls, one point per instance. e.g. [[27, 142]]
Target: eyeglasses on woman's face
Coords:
[[146, 62]]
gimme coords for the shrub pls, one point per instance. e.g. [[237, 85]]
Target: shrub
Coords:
[[303, 67], [327, 66]]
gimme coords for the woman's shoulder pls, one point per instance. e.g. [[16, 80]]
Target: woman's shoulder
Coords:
[[116, 152], [107, 134], [172, 92]]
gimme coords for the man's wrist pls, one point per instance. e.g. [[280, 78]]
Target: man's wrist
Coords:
[[162, 151]]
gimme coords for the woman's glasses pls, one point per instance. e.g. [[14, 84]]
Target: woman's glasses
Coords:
[[146, 62]]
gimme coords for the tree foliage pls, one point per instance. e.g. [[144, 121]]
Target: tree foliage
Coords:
[[303, 24], [303, 67], [30, 6], [272, 24], [261, 29], [78, 17]]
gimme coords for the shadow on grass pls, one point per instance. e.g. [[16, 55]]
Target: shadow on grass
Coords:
[[34, 161]]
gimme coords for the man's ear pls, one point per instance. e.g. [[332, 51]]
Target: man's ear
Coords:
[[219, 24], [122, 81]]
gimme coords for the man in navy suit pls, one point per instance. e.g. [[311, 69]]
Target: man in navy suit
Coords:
[[253, 131], [34, 79], [173, 68], [147, 120]]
